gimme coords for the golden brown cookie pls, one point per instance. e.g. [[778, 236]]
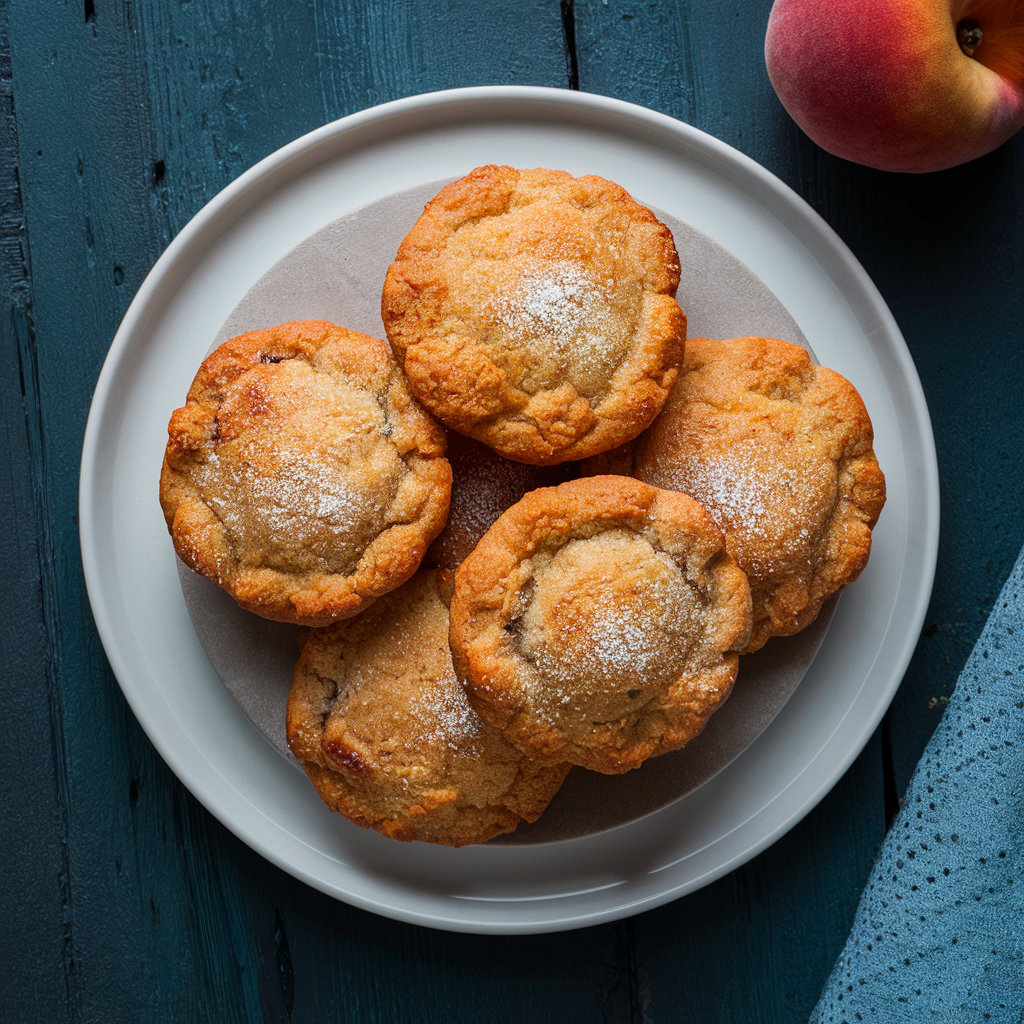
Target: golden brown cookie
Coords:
[[595, 622], [779, 452], [483, 486], [535, 312], [388, 738], [301, 475]]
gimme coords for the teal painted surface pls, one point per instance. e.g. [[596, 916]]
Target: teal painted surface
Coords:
[[123, 899]]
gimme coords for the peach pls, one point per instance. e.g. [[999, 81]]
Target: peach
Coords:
[[901, 85]]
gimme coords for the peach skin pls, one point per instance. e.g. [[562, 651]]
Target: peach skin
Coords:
[[901, 85]]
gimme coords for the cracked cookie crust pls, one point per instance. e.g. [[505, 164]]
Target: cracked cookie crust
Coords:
[[535, 312], [301, 475], [597, 622], [386, 734]]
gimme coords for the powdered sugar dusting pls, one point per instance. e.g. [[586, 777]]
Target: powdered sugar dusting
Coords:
[[560, 314], [620, 641], [611, 619], [296, 505], [734, 486], [399, 690], [301, 473], [442, 715], [305, 487], [773, 503]]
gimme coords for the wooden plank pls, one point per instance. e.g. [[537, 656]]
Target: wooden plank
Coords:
[[701, 62], [34, 874], [344, 964], [228, 87], [943, 250], [84, 157]]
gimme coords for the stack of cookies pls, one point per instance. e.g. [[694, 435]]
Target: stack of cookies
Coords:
[[537, 531]]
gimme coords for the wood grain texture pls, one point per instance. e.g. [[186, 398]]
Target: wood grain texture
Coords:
[[229, 84], [34, 867], [85, 149], [126, 900]]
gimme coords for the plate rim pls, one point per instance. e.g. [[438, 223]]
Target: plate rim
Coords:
[[258, 181]]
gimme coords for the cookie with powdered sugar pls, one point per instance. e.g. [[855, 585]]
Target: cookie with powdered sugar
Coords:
[[301, 475], [597, 622], [535, 312], [779, 451], [383, 728]]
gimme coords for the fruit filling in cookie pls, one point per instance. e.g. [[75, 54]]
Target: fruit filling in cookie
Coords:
[[483, 486]]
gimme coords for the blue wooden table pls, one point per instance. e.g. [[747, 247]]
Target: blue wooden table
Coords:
[[122, 898]]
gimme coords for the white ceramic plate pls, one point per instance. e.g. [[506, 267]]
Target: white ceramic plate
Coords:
[[229, 766]]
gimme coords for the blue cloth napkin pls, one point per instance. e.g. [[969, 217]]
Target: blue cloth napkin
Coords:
[[939, 932]]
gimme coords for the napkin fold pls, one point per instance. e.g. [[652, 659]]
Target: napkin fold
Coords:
[[939, 932]]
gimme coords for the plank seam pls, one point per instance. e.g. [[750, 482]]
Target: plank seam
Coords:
[[568, 9]]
